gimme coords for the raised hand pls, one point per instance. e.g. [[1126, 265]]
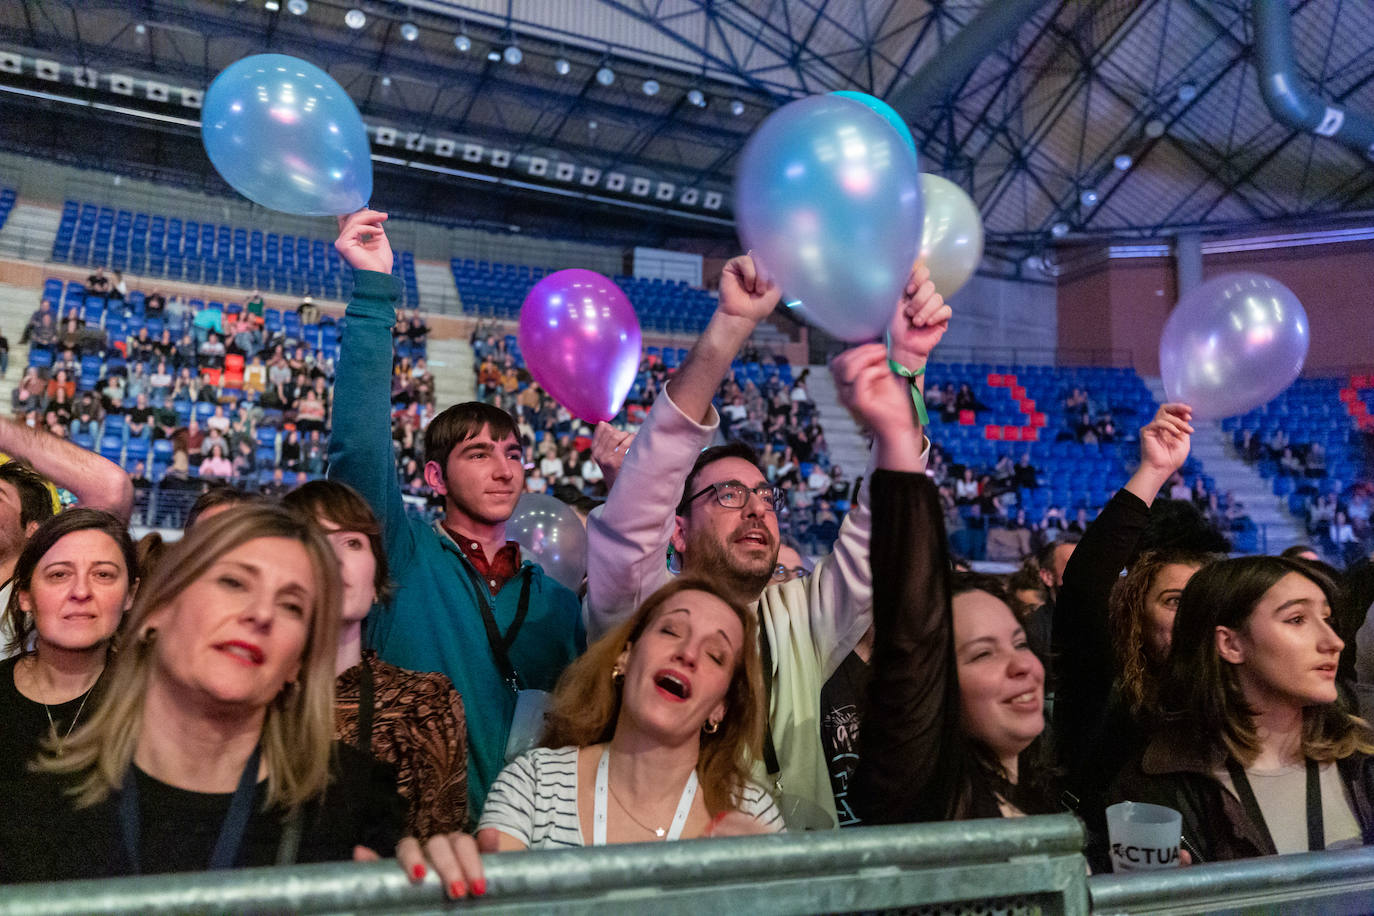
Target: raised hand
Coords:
[[877, 399], [744, 293], [919, 321], [362, 241], [609, 448], [1165, 440]]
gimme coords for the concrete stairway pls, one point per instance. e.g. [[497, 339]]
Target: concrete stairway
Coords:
[[438, 295], [29, 232], [847, 445], [1212, 446], [450, 361], [17, 304]]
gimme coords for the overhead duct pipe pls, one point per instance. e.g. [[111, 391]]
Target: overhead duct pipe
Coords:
[[1288, 99], [995, 23]]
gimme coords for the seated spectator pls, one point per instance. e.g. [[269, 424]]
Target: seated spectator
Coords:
[[140, 420], [211, 352], [1249, 446], [31, 392], [63, 383], [1277, 442], [253, 306], [160, 381], [255, 376], [218, 421], [1179, 489], [310, 413], [1289, 464], [97, 283], [1003, 472], [1025, 475], [209, 320], [1251, 703], [215, 464], [245, 460], [155, 304], [966, 489], [965, 399], [133, 761], [1321, 512], [165, 420], [1314, 462]]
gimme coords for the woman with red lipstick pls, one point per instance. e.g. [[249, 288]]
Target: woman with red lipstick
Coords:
[[1256, 752], [73, 583], [211, 744], [957, 696], [650, 737]]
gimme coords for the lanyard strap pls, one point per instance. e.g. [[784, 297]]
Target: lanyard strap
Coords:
[[1316, 830], [366, 689], [501, 645], [227, 845], [603, 790], [770, 753]]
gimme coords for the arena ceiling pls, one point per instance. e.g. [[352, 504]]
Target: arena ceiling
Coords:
[[1096, 118]]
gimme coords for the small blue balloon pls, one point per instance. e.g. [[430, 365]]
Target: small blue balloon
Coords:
[[887, 111], [286, 135]]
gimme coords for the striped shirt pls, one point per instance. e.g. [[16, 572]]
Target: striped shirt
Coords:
[[534, 800]]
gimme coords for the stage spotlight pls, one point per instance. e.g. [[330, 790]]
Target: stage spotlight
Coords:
[[141, 29], [1154, 128], [736, 107], [697, 98], [271, 5], [605, 76], [1187, 92], [1088, 197], [1059, 230], [386, 82], [297, 7], [650, 87], [410, 31], [1123, 162], [514, 55], [493, 55], [562, 67], [355, 19], [462, 43]]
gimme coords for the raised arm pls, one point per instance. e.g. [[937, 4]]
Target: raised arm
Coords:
[[1085, 659], [360, 452], [913, 692], [95, 481]]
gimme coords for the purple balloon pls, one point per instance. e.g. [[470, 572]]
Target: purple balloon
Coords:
[[581, 340], [1232, 344]]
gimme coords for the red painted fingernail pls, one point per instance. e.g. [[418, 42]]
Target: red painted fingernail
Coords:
[[417, 872], [479, 887], [457, 889]]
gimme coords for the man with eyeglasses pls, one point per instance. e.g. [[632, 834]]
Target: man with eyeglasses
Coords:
[[718, 513]]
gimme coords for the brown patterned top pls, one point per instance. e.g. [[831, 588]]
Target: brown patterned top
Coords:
[[418, 726]]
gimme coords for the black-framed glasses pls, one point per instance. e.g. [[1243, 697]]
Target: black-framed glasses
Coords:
[[733, 495]]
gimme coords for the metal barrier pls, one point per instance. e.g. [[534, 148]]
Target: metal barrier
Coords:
[[1316, 882], [1020, 865]]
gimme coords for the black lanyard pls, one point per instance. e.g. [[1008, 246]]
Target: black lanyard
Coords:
[[1316, 830], [227, 845], [770, 753], [366, 688], [501, 645]]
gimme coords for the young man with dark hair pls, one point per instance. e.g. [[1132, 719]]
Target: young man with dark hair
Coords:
[[466, 604], [726, 523]]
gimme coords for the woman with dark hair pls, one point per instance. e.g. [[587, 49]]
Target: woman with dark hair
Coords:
[[1255, 750], [215, 750], [72, 585], [956, 701], [413, 721]]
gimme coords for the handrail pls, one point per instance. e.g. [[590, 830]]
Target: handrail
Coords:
[[865, 868], [1331, 882]]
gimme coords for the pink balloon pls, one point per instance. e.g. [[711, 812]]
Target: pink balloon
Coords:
[[581, 341]]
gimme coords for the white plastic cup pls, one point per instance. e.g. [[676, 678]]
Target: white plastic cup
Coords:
[[1143, 837]]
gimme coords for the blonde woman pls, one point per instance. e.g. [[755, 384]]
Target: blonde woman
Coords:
[[211, 745]]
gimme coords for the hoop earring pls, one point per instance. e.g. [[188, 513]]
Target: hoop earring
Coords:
[[711, 726], [617, 675]]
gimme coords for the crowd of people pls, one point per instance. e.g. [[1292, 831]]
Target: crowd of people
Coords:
[[325, 676]]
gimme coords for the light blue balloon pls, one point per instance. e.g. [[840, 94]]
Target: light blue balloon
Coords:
[[829, 200], [884, 109], [286, 135]]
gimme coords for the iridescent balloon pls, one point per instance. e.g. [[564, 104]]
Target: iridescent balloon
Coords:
[[581, 339], [285, 135], [1232, 344], [951, 235], [829, 199], [550, 533], [887, 111]]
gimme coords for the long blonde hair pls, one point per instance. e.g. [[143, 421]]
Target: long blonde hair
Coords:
[[299, 725], [586, 702]]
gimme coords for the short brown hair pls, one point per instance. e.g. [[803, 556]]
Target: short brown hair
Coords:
[[731, 449], [35, 499], [460, 423], [344, 507]]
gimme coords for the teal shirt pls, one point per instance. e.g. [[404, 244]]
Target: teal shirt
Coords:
[[434, 621]]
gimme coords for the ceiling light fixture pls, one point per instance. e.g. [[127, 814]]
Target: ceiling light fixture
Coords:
[[514, 55], [736, 107], [1059, 230], [297, 7], [605, 76], [1154, 128], [697, 98], [386, 81], [650, 87], [355, 19], [410, 31], [1122, 162], [562, 67], [1088, 197], [1187, 92], [462, 43], [271, 5], [493, 55], [141, 29]]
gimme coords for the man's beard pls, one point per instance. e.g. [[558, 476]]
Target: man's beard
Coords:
[[712, 559]]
